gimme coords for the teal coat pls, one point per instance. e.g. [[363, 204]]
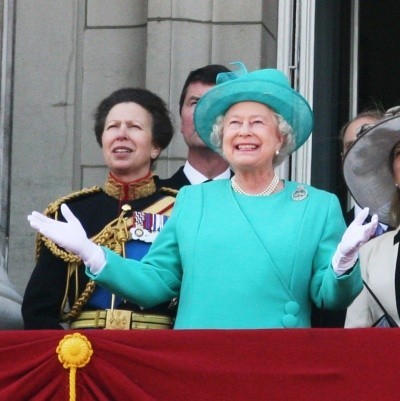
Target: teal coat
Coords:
[[241, 262]]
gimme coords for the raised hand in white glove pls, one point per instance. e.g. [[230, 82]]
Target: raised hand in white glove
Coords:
[[353, 238], [69, 235]]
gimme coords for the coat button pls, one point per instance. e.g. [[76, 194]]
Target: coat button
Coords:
[[289, 321], [292, 308]]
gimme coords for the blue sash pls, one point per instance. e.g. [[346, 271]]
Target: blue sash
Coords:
[[146, 228]]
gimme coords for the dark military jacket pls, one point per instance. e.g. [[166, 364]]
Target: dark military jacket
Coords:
[[49, 284]]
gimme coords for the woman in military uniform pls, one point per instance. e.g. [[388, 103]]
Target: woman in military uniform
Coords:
[[132, 126]]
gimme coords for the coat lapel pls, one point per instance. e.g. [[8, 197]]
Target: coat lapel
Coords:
[[249, 230]]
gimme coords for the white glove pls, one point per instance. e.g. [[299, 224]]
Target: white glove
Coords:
[[353, 238], [71, 236]]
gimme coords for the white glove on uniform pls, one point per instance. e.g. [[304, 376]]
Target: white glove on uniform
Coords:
[[71, 236], [353, 238]]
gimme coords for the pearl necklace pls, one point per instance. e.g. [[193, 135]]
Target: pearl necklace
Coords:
[[267, 191]]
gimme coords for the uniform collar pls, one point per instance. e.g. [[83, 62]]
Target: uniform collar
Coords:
[[136, 189]]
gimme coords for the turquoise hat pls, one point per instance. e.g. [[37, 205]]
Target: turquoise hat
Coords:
[[269, 86]]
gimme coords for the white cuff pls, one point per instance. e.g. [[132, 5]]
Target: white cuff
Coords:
[[97, 260], [341, 264]]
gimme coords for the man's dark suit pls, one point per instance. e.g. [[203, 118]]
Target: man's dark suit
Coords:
[[177, 181], [349, 216]]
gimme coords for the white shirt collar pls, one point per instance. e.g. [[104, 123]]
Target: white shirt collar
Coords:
[[195, 177]]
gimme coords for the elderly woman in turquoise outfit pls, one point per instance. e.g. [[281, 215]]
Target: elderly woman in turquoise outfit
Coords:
[[250, 252]]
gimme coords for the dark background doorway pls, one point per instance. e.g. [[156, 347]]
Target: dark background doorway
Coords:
[[378, 85], [379, 56]]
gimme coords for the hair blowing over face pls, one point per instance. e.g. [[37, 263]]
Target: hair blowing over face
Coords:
[[162, 129]]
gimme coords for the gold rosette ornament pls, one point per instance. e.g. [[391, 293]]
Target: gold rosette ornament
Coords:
[[74, 351]]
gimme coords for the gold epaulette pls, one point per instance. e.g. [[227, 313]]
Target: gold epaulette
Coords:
[[72, 260], [52, 210], [54, 207], [168, 191]]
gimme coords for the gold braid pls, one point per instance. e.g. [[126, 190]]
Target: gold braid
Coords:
[[169, 191], [114, 235], [52, 211]]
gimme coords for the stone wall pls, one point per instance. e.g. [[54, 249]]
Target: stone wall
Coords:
[[69, 54]]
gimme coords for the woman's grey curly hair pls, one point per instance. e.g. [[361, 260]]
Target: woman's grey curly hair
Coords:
[[283, 127]]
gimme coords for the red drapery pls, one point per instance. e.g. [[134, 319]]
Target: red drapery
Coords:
[[215, 365]]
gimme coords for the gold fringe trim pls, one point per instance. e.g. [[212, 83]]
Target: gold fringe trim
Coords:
[[52, 210], [169, 191]]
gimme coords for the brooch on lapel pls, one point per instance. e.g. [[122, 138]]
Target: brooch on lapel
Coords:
[[299, 193]]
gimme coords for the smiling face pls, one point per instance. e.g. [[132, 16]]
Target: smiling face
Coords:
[[127, 141], [250, 136]]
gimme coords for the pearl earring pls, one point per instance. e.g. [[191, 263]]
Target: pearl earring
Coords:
[[277, 152]]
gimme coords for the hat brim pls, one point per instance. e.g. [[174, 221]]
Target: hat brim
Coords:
[[367, 171], [283, 100]]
